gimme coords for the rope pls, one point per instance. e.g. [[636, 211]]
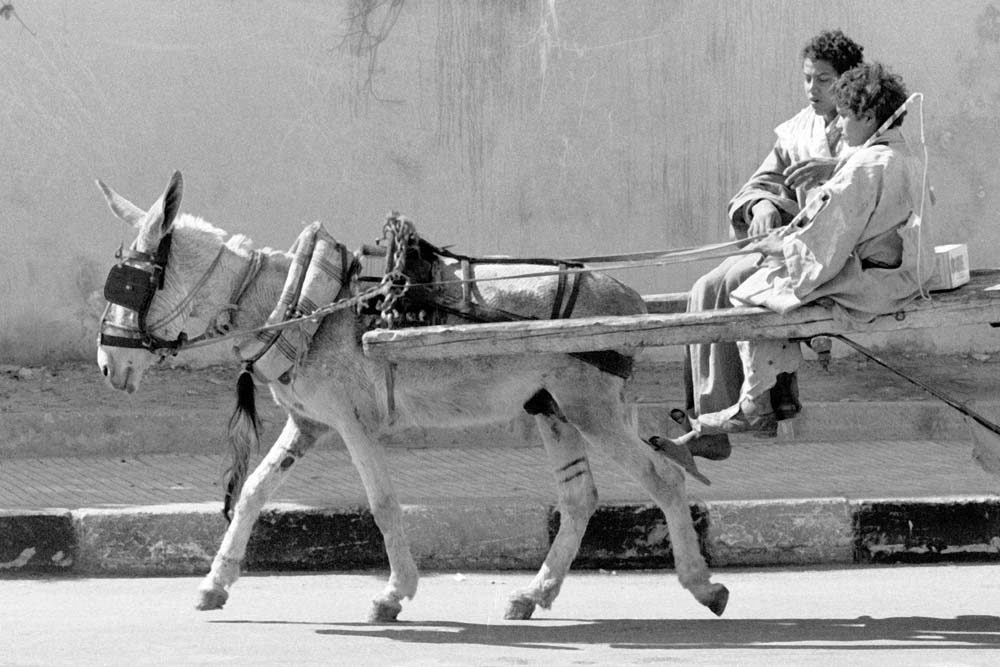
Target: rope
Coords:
[[656, 254], [391, 290], [316, 314], [665, 258], [965, 410]]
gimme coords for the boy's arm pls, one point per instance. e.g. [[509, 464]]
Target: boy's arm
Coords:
[[765, 194], [819, 250]]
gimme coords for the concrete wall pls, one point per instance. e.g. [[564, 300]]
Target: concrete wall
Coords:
[[518, 127]]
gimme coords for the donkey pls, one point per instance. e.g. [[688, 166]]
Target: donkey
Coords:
[[194, 271]]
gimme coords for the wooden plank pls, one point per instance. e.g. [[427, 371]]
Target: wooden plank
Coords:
[[971, 304], [671, 302]]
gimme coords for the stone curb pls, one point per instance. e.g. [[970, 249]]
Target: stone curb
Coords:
[[181, 539]]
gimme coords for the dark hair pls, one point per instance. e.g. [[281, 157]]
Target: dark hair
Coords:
[[836, 48], [871, 87]]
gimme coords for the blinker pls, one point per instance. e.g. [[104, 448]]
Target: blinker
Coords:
[[130, 287], [133, 288]]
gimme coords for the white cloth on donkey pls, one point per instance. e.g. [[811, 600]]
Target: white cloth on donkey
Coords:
[[314, 280]]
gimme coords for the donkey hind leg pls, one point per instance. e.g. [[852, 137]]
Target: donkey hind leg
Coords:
[[606, 424], [577, 502], [260, 485], [369, 460]]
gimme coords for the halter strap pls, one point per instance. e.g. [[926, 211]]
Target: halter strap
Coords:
[[176, 311]]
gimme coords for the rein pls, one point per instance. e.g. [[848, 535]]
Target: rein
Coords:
[[323, 311], [614, 262], [391, 288]]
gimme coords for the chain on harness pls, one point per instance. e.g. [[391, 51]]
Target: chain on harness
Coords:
[[398, 232]]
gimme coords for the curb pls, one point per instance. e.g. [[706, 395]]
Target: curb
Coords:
[[172, 540]]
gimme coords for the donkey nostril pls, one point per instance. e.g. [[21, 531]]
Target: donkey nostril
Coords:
[[104, 370]]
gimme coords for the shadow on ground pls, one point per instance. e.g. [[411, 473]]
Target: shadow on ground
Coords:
[[968, 632]]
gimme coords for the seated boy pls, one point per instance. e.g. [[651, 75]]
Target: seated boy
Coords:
[[857, 248]]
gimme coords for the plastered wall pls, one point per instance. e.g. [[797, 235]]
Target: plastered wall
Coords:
[[523, 127]]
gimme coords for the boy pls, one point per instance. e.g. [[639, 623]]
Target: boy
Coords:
[[858, 248]]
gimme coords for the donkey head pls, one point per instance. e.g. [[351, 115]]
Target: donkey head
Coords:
[[136, 327]]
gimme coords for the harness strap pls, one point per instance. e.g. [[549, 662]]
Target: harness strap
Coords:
[[466, 282], [176, 311], [390, 389], [254, 267], [573, 294], [560, 288], [221, 323], [141, 343]]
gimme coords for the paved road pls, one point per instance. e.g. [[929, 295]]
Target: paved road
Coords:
[[912, 616]]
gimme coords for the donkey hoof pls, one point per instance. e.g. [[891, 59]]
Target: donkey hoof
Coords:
[[384, 611], [718, 600], [519, 609], [214, 598]]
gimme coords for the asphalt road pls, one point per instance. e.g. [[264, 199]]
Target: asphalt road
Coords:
[[945, 616]]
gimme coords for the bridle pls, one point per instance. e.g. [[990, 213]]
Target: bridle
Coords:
[[133, 282], [131, 286]]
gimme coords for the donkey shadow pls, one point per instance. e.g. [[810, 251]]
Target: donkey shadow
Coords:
[[904, 632]]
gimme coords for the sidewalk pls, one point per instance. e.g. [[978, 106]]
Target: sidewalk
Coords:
[[786, 501]]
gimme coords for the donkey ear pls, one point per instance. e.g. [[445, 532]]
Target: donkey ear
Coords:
[[161, 214], [121, 207], [172, 199]]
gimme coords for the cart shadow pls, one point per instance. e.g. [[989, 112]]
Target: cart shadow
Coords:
[[963, 632]]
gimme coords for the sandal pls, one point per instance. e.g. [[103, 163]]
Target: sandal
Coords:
[[678, 454]]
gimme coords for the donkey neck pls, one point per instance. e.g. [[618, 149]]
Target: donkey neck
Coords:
[[263, 293]]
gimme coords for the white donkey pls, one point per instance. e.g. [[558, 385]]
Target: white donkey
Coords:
[[191, 274]]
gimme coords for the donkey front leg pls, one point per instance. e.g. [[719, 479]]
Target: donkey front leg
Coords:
[[293, 441], [567, 454], [369, 459]]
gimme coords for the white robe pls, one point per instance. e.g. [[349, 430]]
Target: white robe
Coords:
[[869, 215]]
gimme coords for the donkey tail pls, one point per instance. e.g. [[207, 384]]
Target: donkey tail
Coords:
[[243, 436]]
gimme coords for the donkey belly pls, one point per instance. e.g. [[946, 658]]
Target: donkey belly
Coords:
[[470, 391]]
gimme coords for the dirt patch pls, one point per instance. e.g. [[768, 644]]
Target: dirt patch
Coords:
[[80, 386]]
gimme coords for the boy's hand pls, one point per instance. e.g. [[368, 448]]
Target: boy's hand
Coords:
[[768, 245], [764, 217], [810, 173]]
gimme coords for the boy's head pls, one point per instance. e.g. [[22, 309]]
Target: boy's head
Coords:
[[866, 97], [836, 48], [827, 56]]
